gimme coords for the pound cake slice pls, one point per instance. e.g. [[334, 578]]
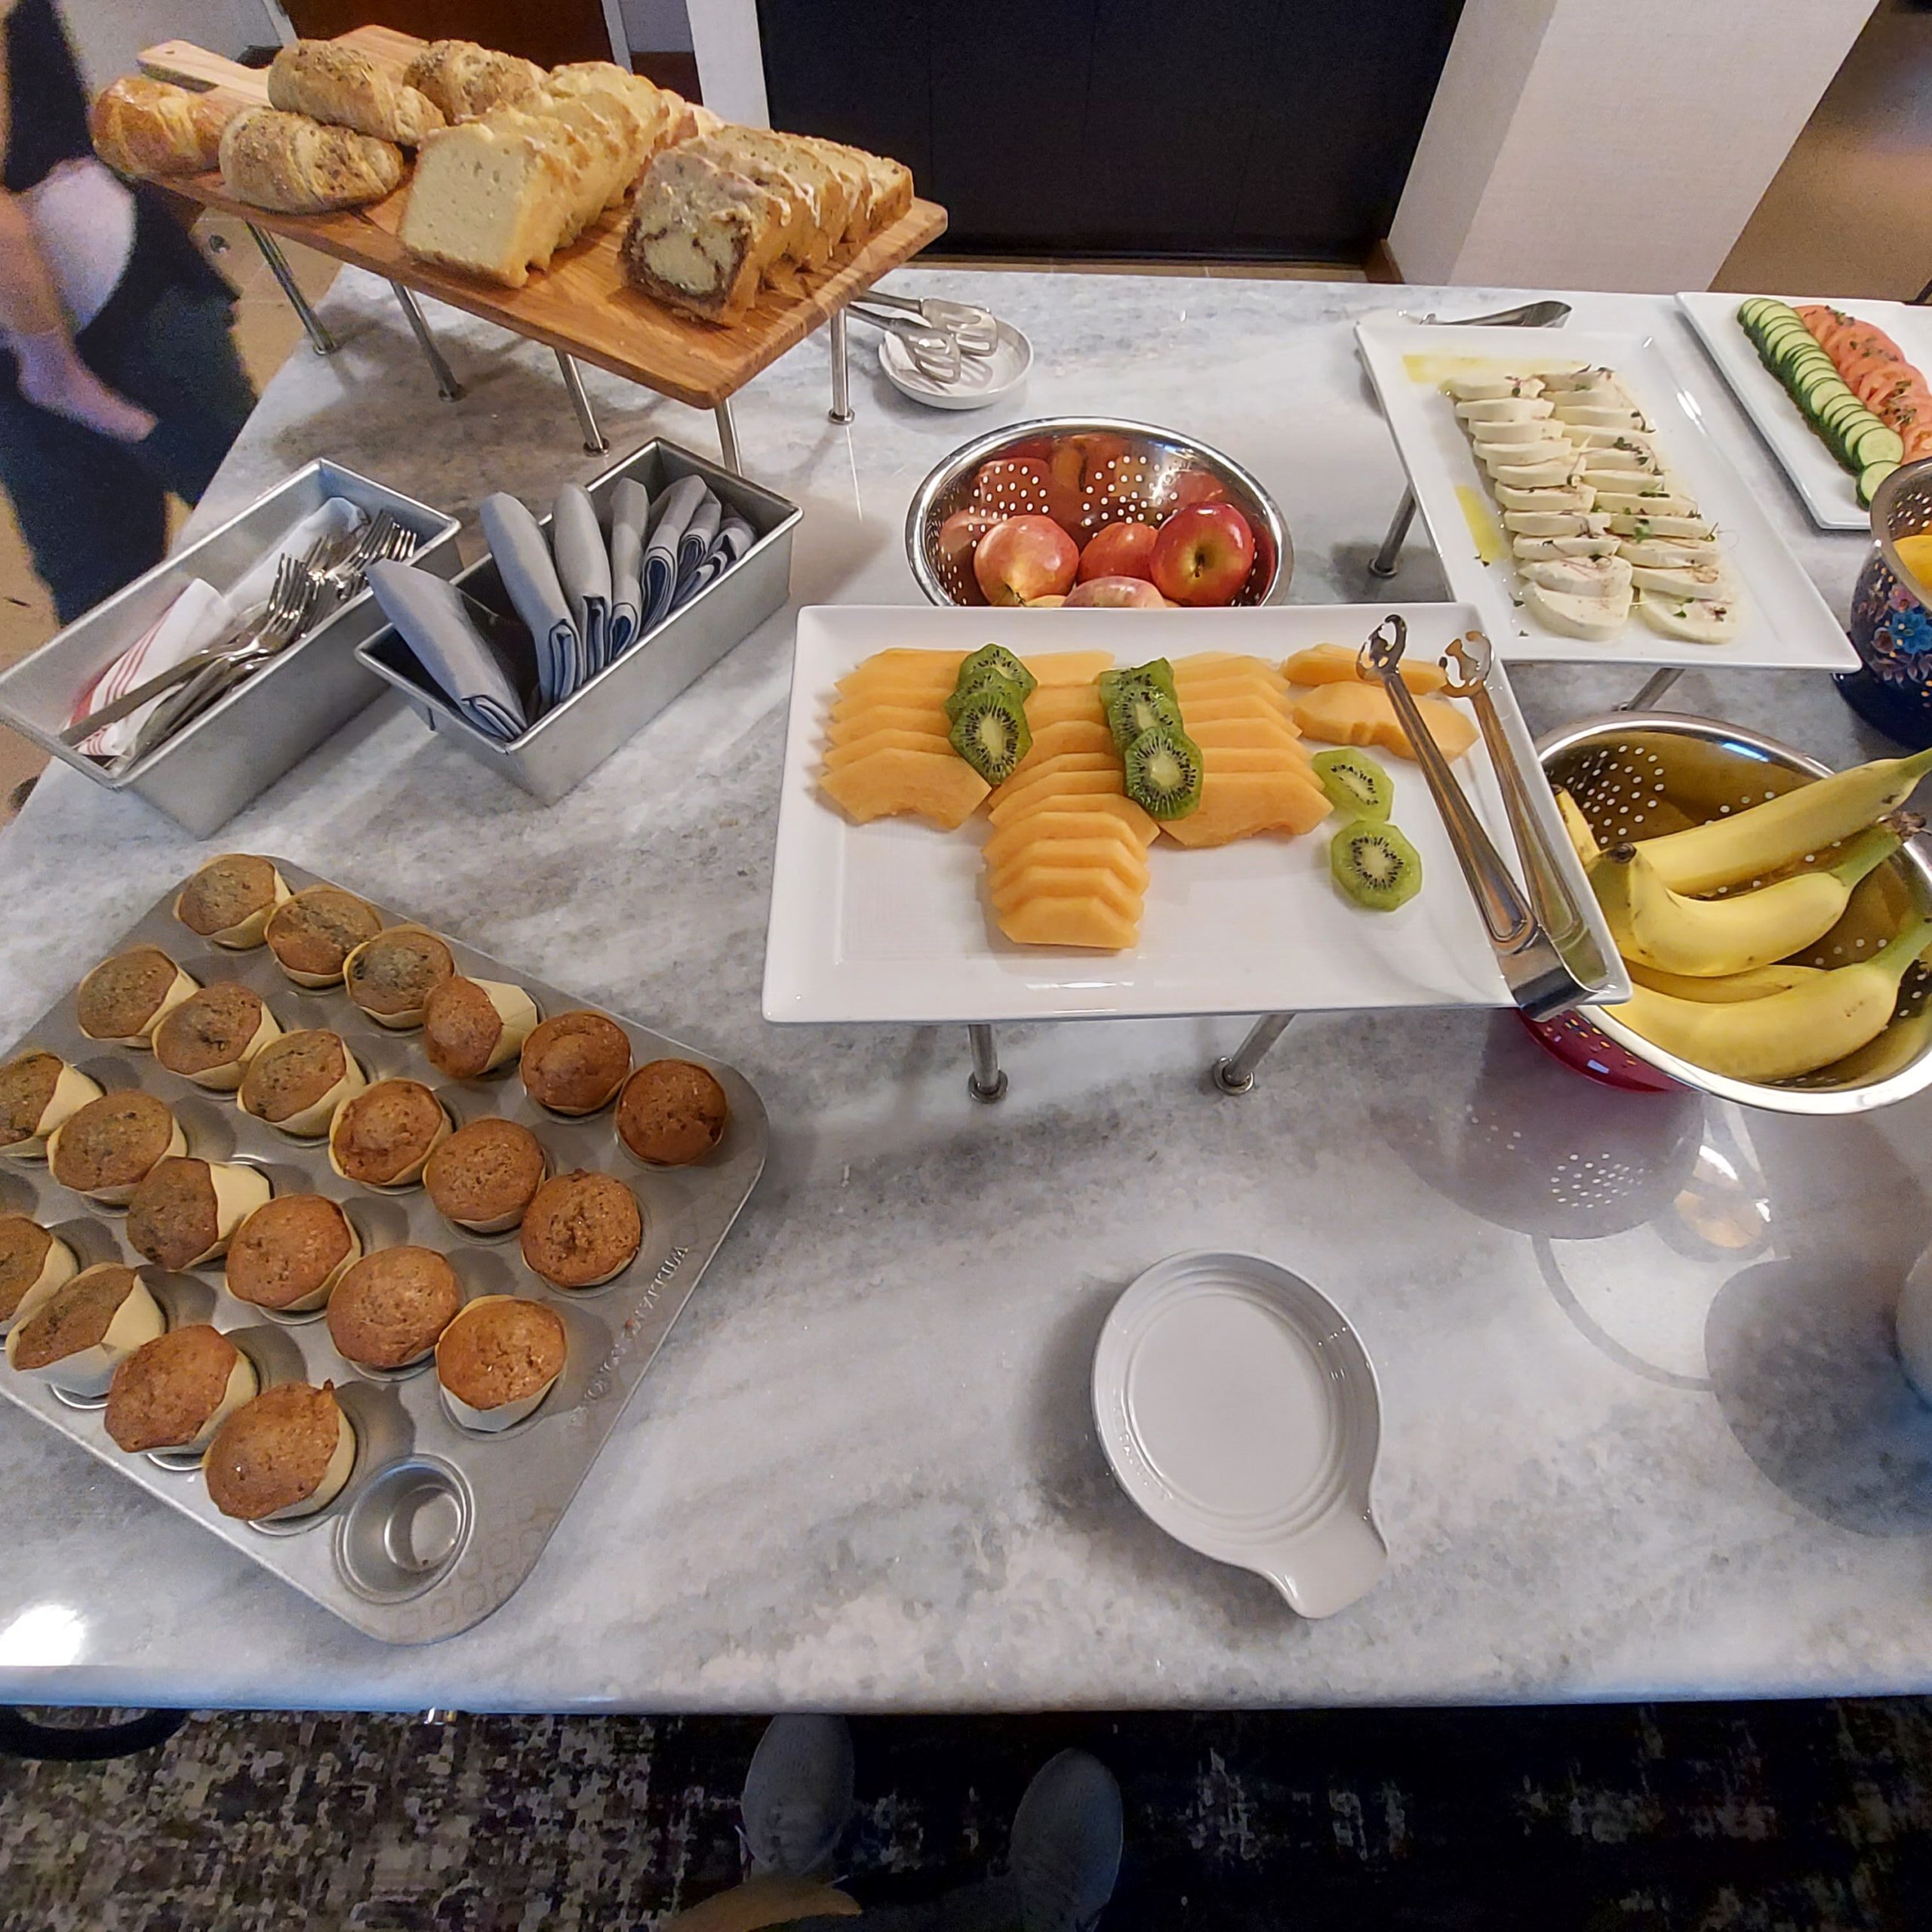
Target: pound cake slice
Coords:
[[700, 237], [495, 199]]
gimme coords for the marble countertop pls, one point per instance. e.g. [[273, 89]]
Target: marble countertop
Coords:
[[1644, 1434]]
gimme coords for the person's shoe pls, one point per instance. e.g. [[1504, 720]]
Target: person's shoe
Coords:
[[1066, 1844], [797, 1795]]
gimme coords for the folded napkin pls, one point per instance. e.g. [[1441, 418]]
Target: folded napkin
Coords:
[[700, 534], [198, 616], [583, 569], [676, 509], [735, 537], [336, 516], [435, 619], [630, 514], [530, 580]]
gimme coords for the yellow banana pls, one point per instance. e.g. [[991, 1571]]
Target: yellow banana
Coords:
[[1577, 826], [1748, 845], [1783, 1034], [1708, 938], [1760, 982]]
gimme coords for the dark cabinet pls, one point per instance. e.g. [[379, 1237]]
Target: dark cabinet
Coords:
[[1272, 128]]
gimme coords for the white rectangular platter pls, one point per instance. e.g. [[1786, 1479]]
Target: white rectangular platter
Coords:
[[1785, 624], [888, 921], [1826, 487]]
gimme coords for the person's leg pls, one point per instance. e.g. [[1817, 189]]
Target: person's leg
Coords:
[[798, 1796], [1066, 1844], [93, 516]]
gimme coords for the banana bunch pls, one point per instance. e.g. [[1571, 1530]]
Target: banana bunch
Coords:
[[1713, 981]]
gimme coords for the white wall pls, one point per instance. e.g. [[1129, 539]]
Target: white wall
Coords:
[[1575, 144], [108, 34]]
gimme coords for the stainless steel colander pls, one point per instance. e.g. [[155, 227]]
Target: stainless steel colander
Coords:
[[1085, 472], [1635, 775]]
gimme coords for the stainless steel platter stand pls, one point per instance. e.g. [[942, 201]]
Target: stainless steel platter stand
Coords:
[[437, 1525]]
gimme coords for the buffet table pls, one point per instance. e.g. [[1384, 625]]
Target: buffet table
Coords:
[[1643, 1434]]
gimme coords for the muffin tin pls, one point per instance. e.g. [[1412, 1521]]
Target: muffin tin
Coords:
[[437, 1525]]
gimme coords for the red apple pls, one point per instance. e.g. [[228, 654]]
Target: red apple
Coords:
[[1116, 593], [1044, 603], [1196, 486], [1202, 554], [1025, 556], [1121, 549], [958, 537], [1064, 497]]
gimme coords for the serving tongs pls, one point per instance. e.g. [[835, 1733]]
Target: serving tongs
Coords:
[[941, 337], [1550, 960]]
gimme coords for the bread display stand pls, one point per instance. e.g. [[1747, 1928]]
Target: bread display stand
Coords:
[[582, 308]]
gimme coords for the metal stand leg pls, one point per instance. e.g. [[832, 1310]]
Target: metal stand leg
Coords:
[[1382, 564], [987, 1081], [447, 387], [1236, 1074], [840, 411], [594, 443], [319, 338], [1654, 686], [727, 437]]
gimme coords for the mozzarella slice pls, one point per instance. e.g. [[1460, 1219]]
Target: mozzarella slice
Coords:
[[1587, 437], [1616, 457], [1561, 382], [1493, 389], [1626, 482], [1532, 429], [1595, 619], [1528, 549], [1665, 553], [1709, 582], [1554, 523], [1646, 503], [1504, 409], [1552, 450], [1575, 498], [1600, 577], [1560, 474], [1652, 524], [1697, 623], [1594, 416]]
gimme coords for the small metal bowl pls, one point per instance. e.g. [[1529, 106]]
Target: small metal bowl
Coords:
[[1635, 775], [1100, 470]]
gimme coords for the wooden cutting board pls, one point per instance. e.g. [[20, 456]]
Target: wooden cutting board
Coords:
[[582, 304]]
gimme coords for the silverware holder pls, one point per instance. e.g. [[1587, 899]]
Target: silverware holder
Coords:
[[205, 774], [567, 744]]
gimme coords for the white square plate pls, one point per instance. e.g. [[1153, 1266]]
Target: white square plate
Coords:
[[1785, 624], [888, 921], [1829, 491]]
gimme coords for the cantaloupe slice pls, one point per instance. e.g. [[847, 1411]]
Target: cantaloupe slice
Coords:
[[1084, 776], [1065, 667], [1065, 704], [1085, 807], [1062, 763], [1067, 823], [1085, 922], [1115, 849], [1251, 704], [1239, 805], [1057, 740], [941, 789], [1210, 663], [922, 670], [1261, 729], [1100, 883], [1336, 663], [855, 749], [1348, 713], [1254, 757], [844, 727]]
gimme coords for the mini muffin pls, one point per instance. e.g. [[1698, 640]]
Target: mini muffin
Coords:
[[484, 1175], [175, 1392], [123, 999], [290, 1254], [389, 1309], [33, 1263], [499, 1359], [382, 1136], [39, 1091], [229, 899], [212, 1035], [311, 935], [77, 1337], [185, 1211], [472, 1027], [391, 977], [287, 1453], [572, 1064], [296, 1082], [671, 1113], [582, 1230], [112, 1144]]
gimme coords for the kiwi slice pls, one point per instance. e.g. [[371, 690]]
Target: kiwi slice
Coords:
[[1135, 710], [1355, 783], [989, 730], [995, 658], [1375, 865], [1163, 770], [987, 681], [1157, 672]]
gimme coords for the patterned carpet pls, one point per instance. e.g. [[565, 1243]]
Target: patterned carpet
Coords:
[[1762, 1818]]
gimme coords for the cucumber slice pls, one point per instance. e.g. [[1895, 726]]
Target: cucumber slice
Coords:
[[1875, 445], [1868, 480]]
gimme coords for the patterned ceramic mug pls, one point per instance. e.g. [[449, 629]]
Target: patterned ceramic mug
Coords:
[[1890, 625]]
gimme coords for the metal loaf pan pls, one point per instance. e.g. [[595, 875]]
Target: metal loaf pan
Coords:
[[204, 775], [437, 1525], [566, 745]]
